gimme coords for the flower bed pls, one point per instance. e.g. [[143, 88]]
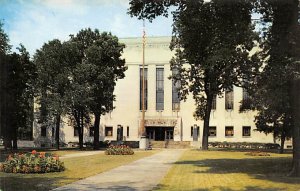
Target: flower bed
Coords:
[[119, 150], [34, 162]]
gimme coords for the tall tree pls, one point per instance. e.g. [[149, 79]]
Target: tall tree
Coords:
[[100, 56], [53, 83], [18, 94], [212, 45], [275, 99], [4, 41]]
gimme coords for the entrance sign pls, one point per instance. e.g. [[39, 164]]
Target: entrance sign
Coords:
[[161, 122]]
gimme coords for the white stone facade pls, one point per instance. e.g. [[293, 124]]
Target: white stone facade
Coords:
[[127, 105]]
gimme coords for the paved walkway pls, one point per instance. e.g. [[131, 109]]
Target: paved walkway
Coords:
[[143, 174]]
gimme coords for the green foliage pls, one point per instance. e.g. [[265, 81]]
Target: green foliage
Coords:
[[33, 162], [212, 45], [119, 150], [77, 77], [271, 89], [4, 41], [17, 78]]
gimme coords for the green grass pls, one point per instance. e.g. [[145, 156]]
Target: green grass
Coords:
[[76, 169], [228, 171]]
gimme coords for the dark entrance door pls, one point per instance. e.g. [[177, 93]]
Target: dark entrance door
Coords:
[[169, 134], [160, 133]]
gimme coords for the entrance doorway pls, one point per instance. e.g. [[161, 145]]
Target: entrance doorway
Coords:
[[160, 133]]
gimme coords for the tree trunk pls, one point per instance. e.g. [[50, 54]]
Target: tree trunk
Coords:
[[80, 130], [57, 129], [206, 122], [296, 128], [96, 131], [282, 138], [15, 138]]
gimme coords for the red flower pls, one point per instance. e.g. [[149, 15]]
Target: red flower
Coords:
[[33, 152]]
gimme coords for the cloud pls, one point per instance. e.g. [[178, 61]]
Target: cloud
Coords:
[[35, 22]]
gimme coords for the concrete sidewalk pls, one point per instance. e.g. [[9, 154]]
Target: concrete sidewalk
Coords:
[[143, 174]]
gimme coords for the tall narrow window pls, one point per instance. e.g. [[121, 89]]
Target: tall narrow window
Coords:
[[146, 88], [127, 131], [76, 132], [91, 131], [214, 103], [43, 131], [175, 95], [53, 132], [195, 130], [246, 103], [159, 89], [229, 99]]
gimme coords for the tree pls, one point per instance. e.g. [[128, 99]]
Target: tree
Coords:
[[18, 96], [4, 41], [100, 56], [273, 91], [53, 83], [212, 45]]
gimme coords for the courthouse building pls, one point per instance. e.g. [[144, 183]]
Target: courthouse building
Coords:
[[166, 117]]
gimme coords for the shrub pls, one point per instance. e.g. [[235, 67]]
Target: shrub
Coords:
[[119, 150], [34, 162]]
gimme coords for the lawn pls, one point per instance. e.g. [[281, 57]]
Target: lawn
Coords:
[[228, 171], [76, 169]]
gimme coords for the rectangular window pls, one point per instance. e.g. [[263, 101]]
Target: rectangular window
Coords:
[[197, 131], [108, 131], [175, 92], [229, 131], [76, 132], [246, 103], [212, 131], [91, 133], [159, 89], [43, 131], [246, 131], [214, 103], [127, 131], [53, 132], [145, 88], [229, 99]]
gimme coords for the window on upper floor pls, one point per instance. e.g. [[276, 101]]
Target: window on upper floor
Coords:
[[246, 102], [214, 103], [229, 99], [159, 88], [175, 92], [145, 88]]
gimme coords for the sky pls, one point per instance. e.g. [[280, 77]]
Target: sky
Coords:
[[35, 22]]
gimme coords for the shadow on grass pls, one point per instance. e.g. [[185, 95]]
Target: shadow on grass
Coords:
[[273, 169], [224, 188], [29, 182]]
